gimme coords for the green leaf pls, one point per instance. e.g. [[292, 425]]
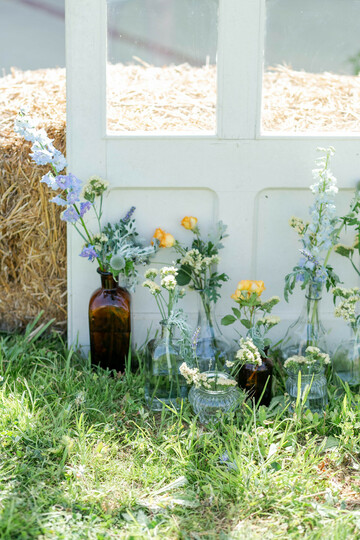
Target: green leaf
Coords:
[[246, 323], [228, 319], [184, 276], [236, 312]]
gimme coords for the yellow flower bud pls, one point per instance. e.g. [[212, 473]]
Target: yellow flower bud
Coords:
[[189, 222], [250, 287], [166, 239]]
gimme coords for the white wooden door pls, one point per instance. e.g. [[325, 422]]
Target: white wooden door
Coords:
[[253, 182]]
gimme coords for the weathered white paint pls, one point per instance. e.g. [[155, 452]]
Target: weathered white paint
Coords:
[[254, 183]]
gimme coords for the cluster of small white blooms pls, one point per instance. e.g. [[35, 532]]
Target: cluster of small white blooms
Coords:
[[316, 355], [248, 352], [169, 283], [193, 376], [94, 187], [347, 307], [151, 273], [269, 320], [229, 364], [295, 360], [224, 381], [297, 224], [99, 239], [168, 271], [197, 262], [152, 286]]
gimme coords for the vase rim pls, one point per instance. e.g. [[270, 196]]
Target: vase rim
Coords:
[[103, 273]]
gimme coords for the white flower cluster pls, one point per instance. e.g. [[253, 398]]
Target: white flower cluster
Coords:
[[297, 224], [269, 321], [169, 283], [94, 187], [224, 381], [313, 355], [152, 286], [197, 261], [99, 239], [168, 271], [248, 352], [346, 309], [193, 376], [151, 273]]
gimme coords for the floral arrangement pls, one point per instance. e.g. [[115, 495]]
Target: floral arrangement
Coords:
[[319, 235], [197, 262], [116, 248], [352, 219], [346, 309], [169, 284], [313, 357], [193, 376], [250, 305]]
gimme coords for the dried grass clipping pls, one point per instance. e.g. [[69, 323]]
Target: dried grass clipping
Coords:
[[140, 97]]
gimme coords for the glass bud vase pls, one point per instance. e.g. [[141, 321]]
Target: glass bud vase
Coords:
[[313, 381], [257, 381], [164, 383], [212, 349], [308, 329], [208, 403], [346, 359], [109, 324]]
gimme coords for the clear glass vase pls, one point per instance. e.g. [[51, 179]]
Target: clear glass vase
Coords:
[[346, 359], [313, 381], [212, 349], [208, 403], [308, 329], [164, 383]]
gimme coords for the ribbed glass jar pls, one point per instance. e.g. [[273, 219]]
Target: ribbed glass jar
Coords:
[[164, 383], [313, 381], [207, 403]]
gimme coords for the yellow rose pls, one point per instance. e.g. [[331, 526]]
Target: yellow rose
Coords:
[[165, 239], [250, 286], [189, 222]]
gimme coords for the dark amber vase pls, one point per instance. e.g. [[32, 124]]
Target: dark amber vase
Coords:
[[253, 380], [109, 324]]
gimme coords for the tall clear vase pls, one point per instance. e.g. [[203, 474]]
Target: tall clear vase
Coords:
[[308, 329], [164, 383], [346, 359], [212, 349]]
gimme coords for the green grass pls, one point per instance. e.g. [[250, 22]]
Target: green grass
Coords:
[[82, 457]]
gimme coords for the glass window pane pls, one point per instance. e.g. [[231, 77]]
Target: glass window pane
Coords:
[[312, 62], [161, 70]]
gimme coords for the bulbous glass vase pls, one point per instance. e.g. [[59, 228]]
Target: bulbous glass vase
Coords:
[[308, 329], [164, 383], [109, 324], [212, 349], [346, 359]]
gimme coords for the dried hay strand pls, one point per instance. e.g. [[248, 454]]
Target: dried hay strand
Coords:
[[140, 98], [32, 236]]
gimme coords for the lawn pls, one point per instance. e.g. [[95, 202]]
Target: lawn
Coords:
[[82, 457]]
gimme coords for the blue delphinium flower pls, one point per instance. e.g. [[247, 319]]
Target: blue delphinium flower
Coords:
[[89, 252], [70, 215], [58, 200], [84, 207]]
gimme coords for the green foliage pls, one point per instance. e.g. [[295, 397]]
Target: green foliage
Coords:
[[82, 457]]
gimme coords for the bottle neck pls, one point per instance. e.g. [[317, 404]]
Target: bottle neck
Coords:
[[107, 280], [167, 329], [206, 310]]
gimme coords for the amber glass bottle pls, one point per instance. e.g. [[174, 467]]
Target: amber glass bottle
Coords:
[[109, 323], [253, 380]]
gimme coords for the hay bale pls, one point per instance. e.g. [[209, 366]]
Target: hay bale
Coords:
[[140, 97], [32, 236]]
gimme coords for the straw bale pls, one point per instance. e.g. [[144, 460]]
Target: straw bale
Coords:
[[140, 97]]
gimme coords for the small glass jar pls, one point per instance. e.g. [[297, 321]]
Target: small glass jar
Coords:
[[164, 382], [207, 403], [257, 381], [313, 381]]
